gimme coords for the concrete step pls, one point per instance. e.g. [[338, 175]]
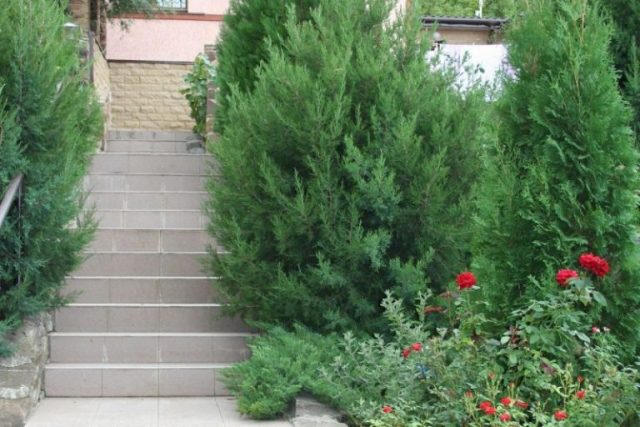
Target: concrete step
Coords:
[[152, 163], [147, 200], [135, 380], [151, 146], [145, 318], [144, 182], [158, 290], [140, 264], [150, 135], [149, 240], [147, 347], [135, 218]]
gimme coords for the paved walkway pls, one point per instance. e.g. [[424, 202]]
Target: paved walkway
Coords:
[[143, 412]]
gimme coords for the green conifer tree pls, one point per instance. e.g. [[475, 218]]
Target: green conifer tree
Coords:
[[56, 122], [625, 44], [563, 176], [344, 173], [250, 27]]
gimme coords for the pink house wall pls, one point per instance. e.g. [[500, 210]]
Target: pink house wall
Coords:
[[214, 7], [176, 38]]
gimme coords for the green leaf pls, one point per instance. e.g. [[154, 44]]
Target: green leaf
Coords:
[[600, 299]]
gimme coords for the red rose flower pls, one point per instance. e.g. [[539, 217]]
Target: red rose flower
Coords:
[[505, 401], [416, 346], [595, 330], [484, 405], [564, 275], [490, 410], [505, 417], [580, 394], [466, 280], [521, 404], [595, 264], [387, 409], [406, 352], [560, 415]]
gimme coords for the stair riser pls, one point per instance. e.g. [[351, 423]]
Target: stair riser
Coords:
[[151, 219], [145, 319], [134, 382], [150, 135], [151, 240], [143, 264], [149, 291], [147, 201], [148, 146], [144, 182], [147, 349], [150, 164]]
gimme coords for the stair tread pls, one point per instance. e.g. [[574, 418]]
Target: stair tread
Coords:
[[85, 277], [152, 153], [148, 192], [155, 365], [142, 305], [153, 334], [131, 173], [131, 230], [146, 252]]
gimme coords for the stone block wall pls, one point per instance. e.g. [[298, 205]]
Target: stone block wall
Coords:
[[80, 11], [21, 374], [146, 95], [102, 82]]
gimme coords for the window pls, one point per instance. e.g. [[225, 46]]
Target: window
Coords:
[[172, 4]]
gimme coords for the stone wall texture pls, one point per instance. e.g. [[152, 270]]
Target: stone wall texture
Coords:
[[147, 95], [102, 83], [79, 10], [21, 374]]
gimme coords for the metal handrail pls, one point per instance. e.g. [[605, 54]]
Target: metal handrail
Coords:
[[13, 191]]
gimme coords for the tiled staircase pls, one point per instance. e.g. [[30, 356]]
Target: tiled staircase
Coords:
[[145, 321]]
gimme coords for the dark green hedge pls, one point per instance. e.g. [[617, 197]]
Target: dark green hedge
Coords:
[[52, 124], [345, 172]]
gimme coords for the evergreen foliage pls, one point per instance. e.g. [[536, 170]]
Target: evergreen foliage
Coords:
[[563, 175], [283, 364], [250, 27], [344, 173], [51, 125], [197, 80], [625, 45]]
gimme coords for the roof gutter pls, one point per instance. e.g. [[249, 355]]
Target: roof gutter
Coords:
[[490, 23]]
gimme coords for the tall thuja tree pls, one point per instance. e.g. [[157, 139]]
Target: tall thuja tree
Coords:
[[625, 46], [56, 124], [344, 173], [563, 176], [250, 27]]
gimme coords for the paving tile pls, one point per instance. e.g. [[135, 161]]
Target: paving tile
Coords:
[[127, 412], [64, 412], [189, 411], [143, 412]]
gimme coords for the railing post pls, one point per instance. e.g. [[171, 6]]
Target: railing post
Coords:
[[14, 189], [210, 52]]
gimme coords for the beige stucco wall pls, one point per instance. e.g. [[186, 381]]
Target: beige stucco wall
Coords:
[[147, 96], [470, 36]]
